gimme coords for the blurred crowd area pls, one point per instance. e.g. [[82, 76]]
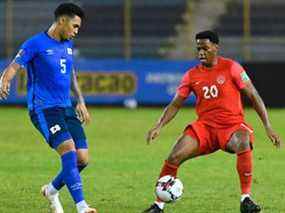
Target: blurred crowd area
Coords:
[[250, 30]]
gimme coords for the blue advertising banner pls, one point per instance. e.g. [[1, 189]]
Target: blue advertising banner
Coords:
[[146, 82]]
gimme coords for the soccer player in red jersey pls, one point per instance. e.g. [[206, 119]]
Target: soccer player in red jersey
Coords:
[[217, 83]]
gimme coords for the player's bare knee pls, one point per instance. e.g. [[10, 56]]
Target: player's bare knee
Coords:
[[243, 141], [243, 146], [82, 156], [239, 142], [83, 160], [65, 147]]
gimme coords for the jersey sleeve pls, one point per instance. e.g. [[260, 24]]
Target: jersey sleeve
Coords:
[[184, 88], [239, 75], [25, 54]]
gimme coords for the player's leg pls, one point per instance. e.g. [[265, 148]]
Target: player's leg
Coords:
[[185, 148], [194, 142], [77, 132], [83, 158], [240, 144], [78, 135], [51, 123], [71, 175], [82, 161], [57, 183], [190, 145]]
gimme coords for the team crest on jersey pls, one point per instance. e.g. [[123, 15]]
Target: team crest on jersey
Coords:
[[69, 51], [221, 79]]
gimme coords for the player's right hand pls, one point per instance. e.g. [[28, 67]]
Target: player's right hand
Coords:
[[4, 89], [152, 134]]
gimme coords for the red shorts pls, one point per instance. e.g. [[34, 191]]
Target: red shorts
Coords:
[[212, 139]]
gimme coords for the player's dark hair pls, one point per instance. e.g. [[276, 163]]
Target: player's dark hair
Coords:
[[68, 9], [211, 35]]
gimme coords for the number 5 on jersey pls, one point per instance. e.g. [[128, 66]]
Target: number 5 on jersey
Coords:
[[210, 92], [63, 66]]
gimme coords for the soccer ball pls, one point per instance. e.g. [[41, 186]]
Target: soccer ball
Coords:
[[169, 189]]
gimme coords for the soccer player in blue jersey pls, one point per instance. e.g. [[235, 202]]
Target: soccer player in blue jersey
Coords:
[[48, 59]]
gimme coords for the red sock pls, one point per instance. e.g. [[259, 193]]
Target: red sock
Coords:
[[244, 168], [168, 169]]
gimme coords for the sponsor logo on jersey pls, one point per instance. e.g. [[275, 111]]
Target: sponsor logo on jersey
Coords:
[[221, 79], [69, 51], [49, 52], [197, 82]]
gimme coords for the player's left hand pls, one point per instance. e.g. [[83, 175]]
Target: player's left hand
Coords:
[[275, 139], [83, 114], [4, 89]]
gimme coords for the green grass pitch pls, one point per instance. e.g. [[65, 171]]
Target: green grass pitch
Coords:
[[123, 169]]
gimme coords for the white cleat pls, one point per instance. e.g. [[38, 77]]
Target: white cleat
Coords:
[[89, 210], [54, 201]]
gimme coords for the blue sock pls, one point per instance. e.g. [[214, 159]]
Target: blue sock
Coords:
[[71, 175], [58, 182]]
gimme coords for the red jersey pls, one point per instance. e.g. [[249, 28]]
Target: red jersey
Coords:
[[217, 91]]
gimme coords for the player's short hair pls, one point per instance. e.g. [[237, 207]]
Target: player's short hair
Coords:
[[68, 9], [208, 34]]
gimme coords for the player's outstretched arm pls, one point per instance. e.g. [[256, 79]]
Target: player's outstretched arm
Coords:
[[6, 77], [168, 114], [260, 108], [81, 108]]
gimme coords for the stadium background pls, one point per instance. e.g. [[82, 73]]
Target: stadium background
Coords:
[[134, 52]]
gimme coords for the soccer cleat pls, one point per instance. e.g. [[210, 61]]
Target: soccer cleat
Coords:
[[54, 201], [248, 206], [89, 210], [153, 209]]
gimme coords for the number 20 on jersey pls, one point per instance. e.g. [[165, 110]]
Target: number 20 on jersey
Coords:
[[210, 92]]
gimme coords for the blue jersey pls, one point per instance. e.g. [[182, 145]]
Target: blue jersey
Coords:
[[49, 64]]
